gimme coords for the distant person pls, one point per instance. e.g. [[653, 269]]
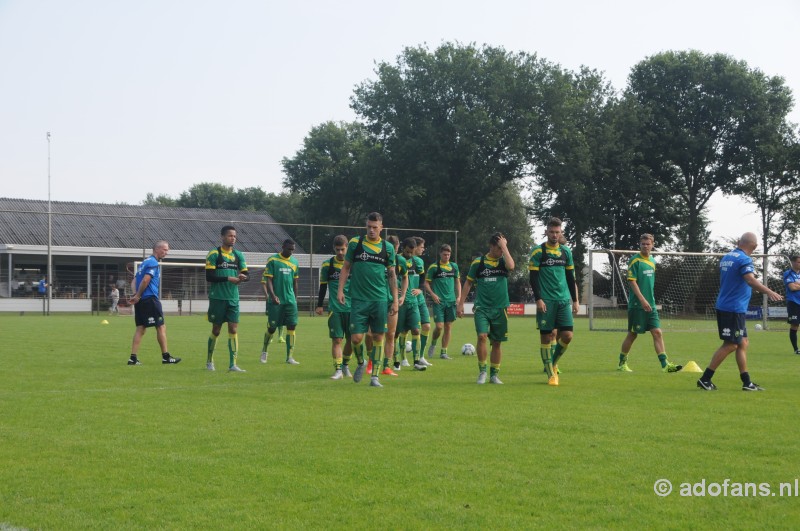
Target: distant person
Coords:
[[146, 306], [791, 281], [226, 268], [642, 312], [338, 314], [279, 282], [114, 296], [552, 279], [443, 284], [422, 304], [368, 263], [42, 287], [408, 313], [737, 280], [489, 274]]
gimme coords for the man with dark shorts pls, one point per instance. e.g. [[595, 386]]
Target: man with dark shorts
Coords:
[[146, 306], [737, 280], [791, 280]]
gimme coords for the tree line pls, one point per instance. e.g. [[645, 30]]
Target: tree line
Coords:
[[479, 139]]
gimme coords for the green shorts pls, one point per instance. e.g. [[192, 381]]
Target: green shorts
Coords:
[[408, 318], [640, 321], [444, 312], [368, 315], [492, 321], [223, 311], [339, 325], [558, 315], [281, 315], [424, 314]]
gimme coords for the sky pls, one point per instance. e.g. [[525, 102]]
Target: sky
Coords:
[[155, 96]]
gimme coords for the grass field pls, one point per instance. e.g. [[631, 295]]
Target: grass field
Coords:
[[88, 442]]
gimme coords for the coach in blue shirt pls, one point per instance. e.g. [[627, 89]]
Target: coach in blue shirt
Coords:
[[791, 280], [737, 280]]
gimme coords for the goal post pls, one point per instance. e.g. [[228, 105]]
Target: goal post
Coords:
[[686, 289]]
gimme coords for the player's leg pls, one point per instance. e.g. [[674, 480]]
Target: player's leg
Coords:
[[388, 342], [564, 323], [289, 320], [378, 319], [447, 332], [137, 340], [728, 325], [424, 331], [625, 349], [336, 352], [161, 337], [359, 325], [281, 334], [233, 339], [273, 313], [482, 328], [498, 332], [793, 318]]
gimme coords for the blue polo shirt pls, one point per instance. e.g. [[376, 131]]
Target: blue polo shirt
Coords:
[[149, 267], [789, 277], [734, 292]]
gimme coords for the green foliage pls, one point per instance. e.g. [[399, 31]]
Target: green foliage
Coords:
[[90, 443]]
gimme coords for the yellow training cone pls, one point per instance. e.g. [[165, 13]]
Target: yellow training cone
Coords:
[[103, 322], [691, 367]]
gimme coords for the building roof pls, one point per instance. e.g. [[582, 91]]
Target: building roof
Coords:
[[24, 222]]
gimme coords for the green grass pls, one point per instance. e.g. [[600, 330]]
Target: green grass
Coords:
[[88, 442]]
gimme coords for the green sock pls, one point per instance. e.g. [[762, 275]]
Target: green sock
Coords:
[[623, 359], [290, 340], [233, 347], [377, 357], [443, 351], [358, 350], [663, 359], [561, 348], [482, 366], [212, 344], [415, 347], [423, 342], [267, 339], [494, 369], [544, 351]]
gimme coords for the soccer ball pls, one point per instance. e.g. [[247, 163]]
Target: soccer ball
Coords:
[[758, 326], [409, 348], [468, 350]]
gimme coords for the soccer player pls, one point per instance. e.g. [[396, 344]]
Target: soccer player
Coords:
[[737, 280], [338, 314], [280, 287], [146, 306], [409, 317], [642, 312], [226, 268], [552, 279], [369, 260], [791, 280], [392, 319], [442, 283], [422, 304], [114, 308], [489, 274]]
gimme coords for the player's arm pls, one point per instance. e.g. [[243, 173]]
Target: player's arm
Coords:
[[573, 289], [401, 293], [323, 289], [753, 282], [142, 286], [638, 293], [244, 275], [270, 289], [509, 261], [533, 279], [393, 288], [463, 297], [426, 285], [344, 274], [457, 281]]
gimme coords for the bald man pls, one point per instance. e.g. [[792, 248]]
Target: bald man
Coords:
[[737, 280]]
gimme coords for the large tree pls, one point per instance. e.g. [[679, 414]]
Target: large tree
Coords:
[[699, 113]]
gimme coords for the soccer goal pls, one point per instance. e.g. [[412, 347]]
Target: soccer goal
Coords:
[[686, 289]]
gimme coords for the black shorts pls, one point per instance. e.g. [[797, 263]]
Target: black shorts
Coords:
[[792, 312], [148, 312], [731, 326]]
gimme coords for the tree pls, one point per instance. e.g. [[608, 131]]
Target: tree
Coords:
[[698, 120], [456, 124]]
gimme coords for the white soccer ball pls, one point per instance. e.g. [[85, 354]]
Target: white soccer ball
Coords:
[[468, 350], [409, 348], [758, 326]]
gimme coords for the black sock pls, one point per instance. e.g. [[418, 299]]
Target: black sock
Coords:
[[707, 375], [133, 356], [745, 376], [793, 338], [165, 355]]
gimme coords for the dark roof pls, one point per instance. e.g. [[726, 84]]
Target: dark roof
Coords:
[[24, 222]]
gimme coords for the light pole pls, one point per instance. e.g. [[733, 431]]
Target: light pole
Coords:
[[49, 233]]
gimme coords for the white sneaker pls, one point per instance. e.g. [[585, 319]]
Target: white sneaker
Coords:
[[419, 366], [264, 357], [426, 362], [210, 366], [405, 363], [444, 356], [430, 350], [346, 372], [338, 375], [482, 377], [495, 380], [374, 382], [292, 361], [236, 368]]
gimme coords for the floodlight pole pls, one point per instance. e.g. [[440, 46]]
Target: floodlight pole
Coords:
[[49, 233]]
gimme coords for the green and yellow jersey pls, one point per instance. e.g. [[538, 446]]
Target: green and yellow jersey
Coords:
[[552, 264], [225, 264], [329, 274], [283, 271], [368, 263], [490, 277], [442, 278], [643, 271]]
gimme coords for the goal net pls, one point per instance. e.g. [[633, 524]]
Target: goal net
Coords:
[[686, 289]]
